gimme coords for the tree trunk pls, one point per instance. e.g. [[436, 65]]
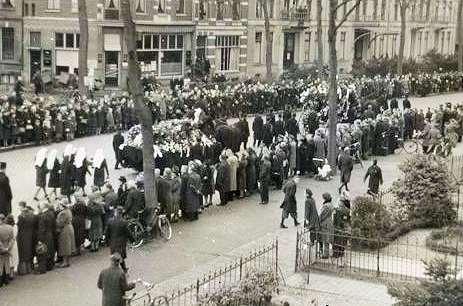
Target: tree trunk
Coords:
[[83, 45], [403, 17], [268, 40], [143, 112], [460, 35], [320, 33], [333, 87]]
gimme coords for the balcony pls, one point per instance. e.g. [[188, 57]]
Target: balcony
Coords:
[[111, 14], [299, 15], [367, 20]]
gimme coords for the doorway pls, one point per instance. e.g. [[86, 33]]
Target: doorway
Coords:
[[112, 68], [288, 52], [36, 62]]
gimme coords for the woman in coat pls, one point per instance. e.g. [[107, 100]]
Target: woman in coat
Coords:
[[46, 232], [66, 239], [54, 168], [289, 204], [82, 170], [41, 171], [80, 213], [96, 212], [67, 173], [312, 221], [193, 196], [27, 228], [326, 225], [241, 173], [233, 167], [251, 172], [208, 183], [341, 221], [101, 169]]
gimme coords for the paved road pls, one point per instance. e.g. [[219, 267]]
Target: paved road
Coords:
[[220, 234]]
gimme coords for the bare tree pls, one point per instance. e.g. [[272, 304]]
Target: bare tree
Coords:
[[403, 6], [460, 35], [83, 45], [143, 112], [333, 27], [268, 38], [320, 34]]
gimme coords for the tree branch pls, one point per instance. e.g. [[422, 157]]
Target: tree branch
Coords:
[[350, 11], [343, 3]]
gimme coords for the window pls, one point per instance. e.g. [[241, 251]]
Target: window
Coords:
[[6, 4], [364, 7], [220, 9], [74, 6], [201, 47], [420, 37], [448, 43], [69, 40], [7, 43], [383, 9], [180, 6], [59, 40], [141, 7], [436, 14], [258, 47], [171, 41], [375, 9], [53, 4], [112, 4], [35, 39], [33, 9], [162, 6], [394, 45], [151, 42], [227, 52], [396, 10], [259, 10], [26, 9], [343, 45], [77, 41], [308, 39], [147, 42], [426, 34]]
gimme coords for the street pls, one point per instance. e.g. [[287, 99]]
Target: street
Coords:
[[220, 235]]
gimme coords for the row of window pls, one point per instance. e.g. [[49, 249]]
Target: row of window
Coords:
[[158, 41], [67, 40], [7, 46]]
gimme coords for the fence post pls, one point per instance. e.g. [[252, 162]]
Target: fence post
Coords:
[[197, 290], [276, 257], [297, 252], [377, 257], [241, 266]]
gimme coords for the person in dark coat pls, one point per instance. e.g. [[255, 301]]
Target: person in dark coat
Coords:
[[341, 220], [118, 140], [41, 171], [278, 128], [345, 164], [80, 212], [54, 167], [65, 234], [301, 156], [311, 220], [326, 225], [243, 127], [27, 229], [113, 282], [376, 178], [264, 178], [96, 214], [100, 169], [122, 191], [222, 183], [267, 134], [67, 173], [5, 191], [117, 235], [289, 204], [251, 173], [207, 182], [134, 202], [81, 170], [193, 195], [46, 234], [257, 129], [292, 126]]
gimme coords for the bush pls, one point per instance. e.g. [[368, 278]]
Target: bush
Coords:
[[424, 191], [369, 220], [297, 73], [445, 240]]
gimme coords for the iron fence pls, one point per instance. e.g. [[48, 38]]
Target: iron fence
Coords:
[[264, 259], [402, 259]]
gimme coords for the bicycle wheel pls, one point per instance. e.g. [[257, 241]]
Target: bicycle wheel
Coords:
[[410, 147], [136, 234], [164, 227]]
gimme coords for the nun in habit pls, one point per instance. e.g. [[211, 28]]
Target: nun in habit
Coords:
[[82, 170], [101, 169], [54, 167], [41, 171], [67, 172]]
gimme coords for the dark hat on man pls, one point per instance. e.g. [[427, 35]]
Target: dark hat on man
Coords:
[[116, 257], [308, 192], [122, 179], [2, 165], [326, 196]]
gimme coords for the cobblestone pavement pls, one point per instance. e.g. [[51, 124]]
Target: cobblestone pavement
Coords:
[[221, 234]]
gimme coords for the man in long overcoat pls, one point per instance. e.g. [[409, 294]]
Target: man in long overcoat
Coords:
[[135, 201], [222, 182], [257, 128], [5, 191], [118, 139], [243, 127], [27, 227], [326, 225], [6, 246], [113, 282], [289, 204], [265, 177], [117, 235], [345, 164], [376, 178], [46, 233], [312, 221]]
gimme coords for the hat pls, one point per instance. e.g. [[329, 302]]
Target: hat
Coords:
[[326, 196], [122, 179], [308, 192], [116, 257], [2, 165]]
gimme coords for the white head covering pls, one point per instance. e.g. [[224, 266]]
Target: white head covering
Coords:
[[80, 156], [68, 150], [51, 159], [40, 157], [98, 158]]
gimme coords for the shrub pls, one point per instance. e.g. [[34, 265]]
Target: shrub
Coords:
[[447, 240], [424, 191], [369, 220]]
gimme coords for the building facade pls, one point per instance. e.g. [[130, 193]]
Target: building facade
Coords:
[[43, 35], [10, 41]]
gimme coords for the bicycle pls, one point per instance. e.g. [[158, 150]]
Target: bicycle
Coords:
[[144, 297], [139, 232]]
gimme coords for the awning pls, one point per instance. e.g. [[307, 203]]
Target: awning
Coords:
[[112, 42], [67, 58]]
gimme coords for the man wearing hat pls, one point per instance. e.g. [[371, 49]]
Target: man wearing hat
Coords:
[[326, 225], [122, 191], [117, 235], [5, 191], [118, 140], [311, 222], [6, 245], [113, 282]]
